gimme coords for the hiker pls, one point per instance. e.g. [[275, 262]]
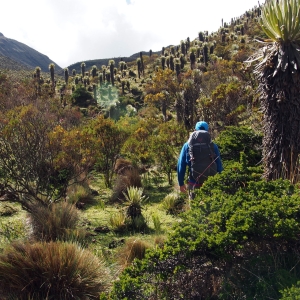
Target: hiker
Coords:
[[202, 157]]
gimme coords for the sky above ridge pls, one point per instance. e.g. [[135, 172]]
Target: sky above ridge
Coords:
[[71, 31]]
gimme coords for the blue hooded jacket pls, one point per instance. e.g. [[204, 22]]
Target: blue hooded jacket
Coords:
[[184, 157]]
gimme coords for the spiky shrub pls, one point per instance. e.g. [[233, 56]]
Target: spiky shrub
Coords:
[[133, 199], [55, 270], [201, 36], [177, 66], [82, 69], [278, 72], [205, 53], [55, 222], [139, 66], [66, 72], [94, 71], [163, 62], [123, 83]]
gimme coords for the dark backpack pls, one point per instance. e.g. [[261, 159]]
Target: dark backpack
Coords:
[[202, 155]]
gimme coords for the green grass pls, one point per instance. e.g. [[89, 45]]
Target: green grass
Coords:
[[12, 223], [97, 214]]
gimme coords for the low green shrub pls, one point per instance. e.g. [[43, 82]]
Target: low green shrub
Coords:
[[55, 270], [291, 293], [238, 241], [81, 97], [234, 140]]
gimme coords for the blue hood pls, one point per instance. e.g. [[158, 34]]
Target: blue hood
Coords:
[[201, 124]]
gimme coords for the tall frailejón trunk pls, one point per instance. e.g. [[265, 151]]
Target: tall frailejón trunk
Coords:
[[280, 102]]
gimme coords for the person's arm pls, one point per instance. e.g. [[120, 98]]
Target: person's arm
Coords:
[[218, 160], [181, 167]]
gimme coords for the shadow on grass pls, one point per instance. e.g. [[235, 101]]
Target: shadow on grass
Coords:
[[157, 194]]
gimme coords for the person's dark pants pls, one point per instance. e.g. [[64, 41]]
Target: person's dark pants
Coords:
[[192, 187]]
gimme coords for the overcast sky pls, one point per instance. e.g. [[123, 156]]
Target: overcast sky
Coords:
[[70, 31]]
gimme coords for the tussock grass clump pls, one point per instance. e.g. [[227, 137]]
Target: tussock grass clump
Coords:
[[133, 248], [130, 178], [117, 221], [80, 194], [122, 165], [159, 241], [173, 203], [55, 270], [55, 222]]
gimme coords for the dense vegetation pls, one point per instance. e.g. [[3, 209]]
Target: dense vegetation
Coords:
[[89, 204], [239, 241]]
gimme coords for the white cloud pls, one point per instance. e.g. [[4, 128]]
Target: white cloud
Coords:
[[70, 31]]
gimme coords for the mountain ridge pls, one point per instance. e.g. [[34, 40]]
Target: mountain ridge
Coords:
[[24, 55], [15, 55]]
